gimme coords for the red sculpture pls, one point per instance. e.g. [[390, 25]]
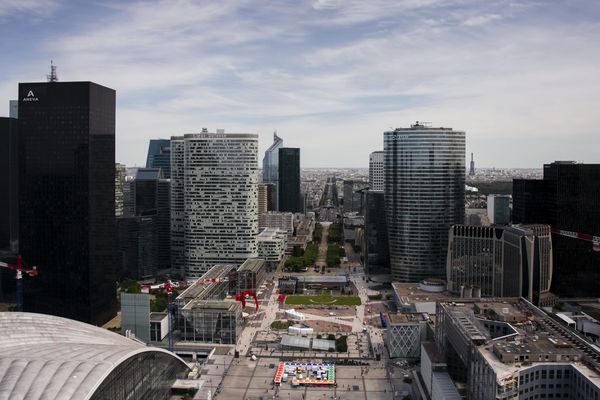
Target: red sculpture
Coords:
[[242, 298]]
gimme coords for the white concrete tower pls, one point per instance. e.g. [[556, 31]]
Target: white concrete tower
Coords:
[[220, 195], [376, 170]]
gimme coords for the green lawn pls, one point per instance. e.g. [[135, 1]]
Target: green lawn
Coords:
[[324, 299]]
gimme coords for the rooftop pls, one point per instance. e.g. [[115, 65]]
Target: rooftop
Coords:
[[411, 293], [403, 318], [252, 264], [48, 357], [157, 316], [199, 287], [534, 337], [295, 341], [271, 234], [217, 305]]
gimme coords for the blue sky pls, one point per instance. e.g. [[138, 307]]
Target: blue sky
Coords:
[[521, 77]]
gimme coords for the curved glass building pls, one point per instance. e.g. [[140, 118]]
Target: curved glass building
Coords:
[[424, 195], [47, 357]]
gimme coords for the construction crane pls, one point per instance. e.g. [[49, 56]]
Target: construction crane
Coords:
[[595, 240], [20, 269]]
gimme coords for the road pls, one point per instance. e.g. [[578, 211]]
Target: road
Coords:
[[322, 256]]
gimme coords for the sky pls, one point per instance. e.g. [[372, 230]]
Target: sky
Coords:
[[522, 78]]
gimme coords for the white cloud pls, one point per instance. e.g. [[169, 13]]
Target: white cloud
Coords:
[[332, 76], [32, 7], [478, 20]]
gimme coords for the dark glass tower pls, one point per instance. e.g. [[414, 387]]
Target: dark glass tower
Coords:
[[424, 195], [375, 245], [567, 199], [159, 156], [8, 183], [67, 198], [289, 180]]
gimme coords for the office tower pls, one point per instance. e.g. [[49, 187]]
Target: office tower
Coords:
[[271, 160], [149, 217], [376, 170], [567, 200], [375, 243], [177, 206], [8, 183], [263, 202], [289, 180], [137, 244], [120, 173], [498, 208], [67, 198], [424, 195], [159, 156], [271, 168], [13, 109], [472, 168], [501, 261], [215, 178], [353, 198]]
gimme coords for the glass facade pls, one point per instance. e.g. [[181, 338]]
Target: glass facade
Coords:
[[567, 199], [67, 198], [500, 261], [211, 322], [424, 195], [8, 182], [145, 376], [289, 180], [376, 251], [159, 156], [271, 169]]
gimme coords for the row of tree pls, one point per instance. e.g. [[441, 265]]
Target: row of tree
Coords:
[[335, 234], [300, 261]]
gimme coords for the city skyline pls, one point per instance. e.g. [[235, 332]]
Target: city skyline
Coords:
[[518, 76]]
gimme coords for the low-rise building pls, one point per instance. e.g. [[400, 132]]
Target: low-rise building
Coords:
[[510, 349], [250, 275], [272, 243], [311, 284], [211, 321], [419, 297], [405, 332], [281, 220]]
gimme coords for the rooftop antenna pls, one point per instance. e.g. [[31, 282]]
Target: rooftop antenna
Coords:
[[52, 77]]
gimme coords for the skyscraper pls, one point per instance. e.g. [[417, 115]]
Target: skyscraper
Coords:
[[271, 168], [353, 196], [159, 156], [472, 168], [375, 241], [13, 109], [67, 198], [501, 261], [220, 198], [424, 195], [498, 208], [120, 173], [289, 180], [145, 229], [8, 183], [177, 206], [376, 170], [567, 200]]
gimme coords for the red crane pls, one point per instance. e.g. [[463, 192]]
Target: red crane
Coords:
[[595, 240], [20, 269]]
